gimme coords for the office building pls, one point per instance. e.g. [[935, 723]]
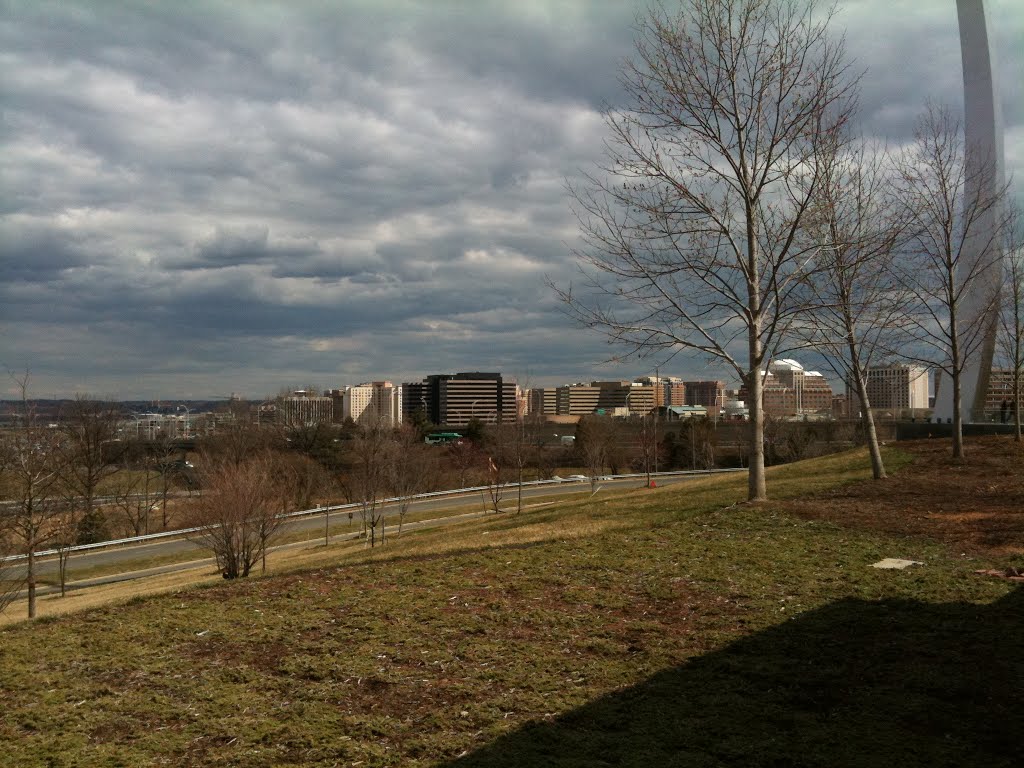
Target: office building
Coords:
[[668, 390], [710, 394], [456, 399], [542, 400], [613, 398], [376, 402], [304, 408], [898, 389], [790, 391], [1000, 391]]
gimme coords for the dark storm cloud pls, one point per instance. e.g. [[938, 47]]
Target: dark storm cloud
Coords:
[[207, 196]]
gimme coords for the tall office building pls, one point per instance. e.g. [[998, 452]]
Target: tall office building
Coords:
[[486, 397], [542, 400], [1000, 390], [896, 387], [456, 399], [305, 408], [710, 394], [668, 390], [376, 402], [609, 397]]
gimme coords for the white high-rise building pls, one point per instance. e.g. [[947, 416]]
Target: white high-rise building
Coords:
[[375, 402], [893, 388]]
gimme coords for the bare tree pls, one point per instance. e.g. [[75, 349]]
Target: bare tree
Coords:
[[510, 446], [409, 470], [34, 467], [855, 298], [168, 460], [239, 437], [647, 443], [369, 474], [498, 455], [954, 255], [466, 459], [695, 442], [132, 502], [88, 430], [10, 583], [690, 237], [238, 512], [596, 437], [1011, 319], [301, 479]]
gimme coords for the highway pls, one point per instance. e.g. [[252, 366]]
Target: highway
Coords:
[[188, 554]]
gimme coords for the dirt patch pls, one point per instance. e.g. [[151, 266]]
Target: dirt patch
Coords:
[[976, 506]]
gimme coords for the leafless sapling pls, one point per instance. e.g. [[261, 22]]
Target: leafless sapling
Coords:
[[953, 265]]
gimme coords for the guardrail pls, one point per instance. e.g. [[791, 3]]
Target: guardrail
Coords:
[[180, 532]]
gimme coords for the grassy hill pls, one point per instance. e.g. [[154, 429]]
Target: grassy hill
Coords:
[[666, 627]]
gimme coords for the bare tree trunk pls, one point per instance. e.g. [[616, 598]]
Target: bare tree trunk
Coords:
[[63, 553], [958, 416], [519, 499], [868, 420], [1016, 406], [31, 578], [757, 489]]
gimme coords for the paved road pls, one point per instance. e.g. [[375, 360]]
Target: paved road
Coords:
[[193, 555]]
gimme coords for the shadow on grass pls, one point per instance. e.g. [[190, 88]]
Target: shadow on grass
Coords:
[[852, 684]]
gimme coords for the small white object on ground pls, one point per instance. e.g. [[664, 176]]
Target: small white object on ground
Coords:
[[894, 563]]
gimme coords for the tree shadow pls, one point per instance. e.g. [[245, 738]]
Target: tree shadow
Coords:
[[856, 683]]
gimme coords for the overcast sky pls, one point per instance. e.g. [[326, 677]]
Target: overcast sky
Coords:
[[201, 198]]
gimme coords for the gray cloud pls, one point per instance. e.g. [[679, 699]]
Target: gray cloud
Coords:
[[202, 198]]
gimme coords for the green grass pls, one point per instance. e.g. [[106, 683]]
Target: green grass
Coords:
[[670, 627]]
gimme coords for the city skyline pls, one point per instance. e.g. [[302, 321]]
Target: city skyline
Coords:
[[208, 201]]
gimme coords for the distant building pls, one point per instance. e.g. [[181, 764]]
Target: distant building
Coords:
[[898, 389], [1000, 390], [157, 426], [304, 408], [790, 391], [376, 402], [668, 390], [679, 412], [414, 400], [710, 394], [542, 400], [614, 398], [456, 399], [840, 406], [577, 399]]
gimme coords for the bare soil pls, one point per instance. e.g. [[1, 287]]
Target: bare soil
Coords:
[[975, 506]]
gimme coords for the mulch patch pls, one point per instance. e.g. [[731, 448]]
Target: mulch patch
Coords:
[[976, 506]]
